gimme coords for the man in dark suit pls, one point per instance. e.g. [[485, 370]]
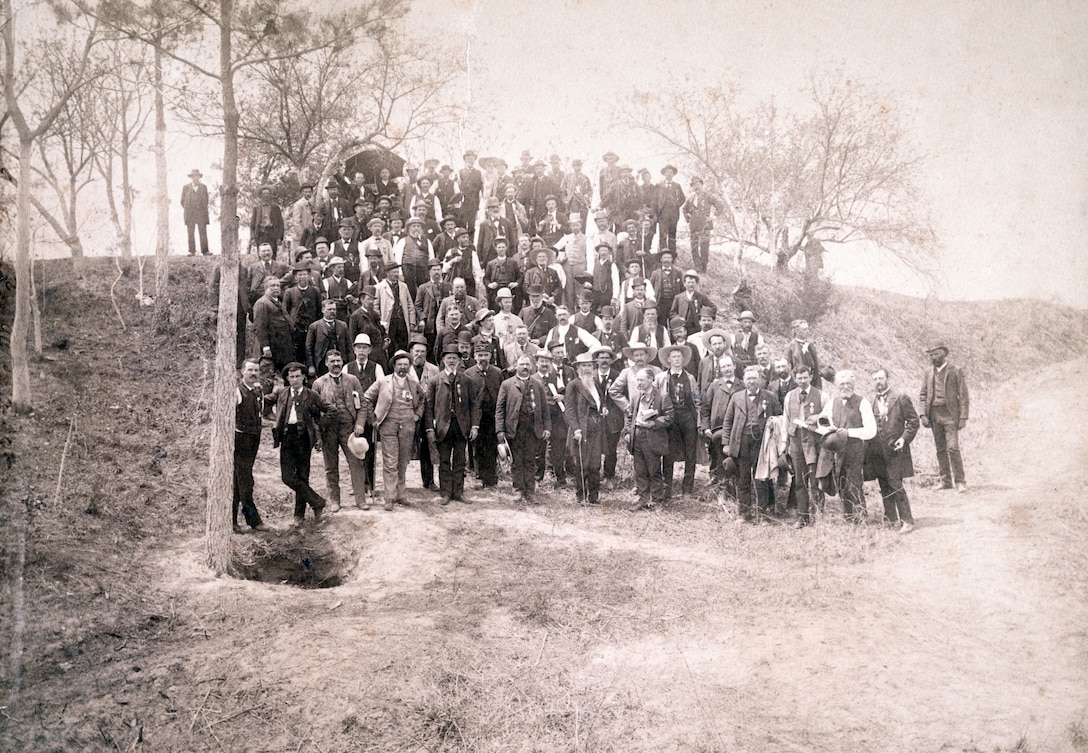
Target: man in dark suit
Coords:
[[429, 298], [251, 395], [452, 420], [667, 282], [491, 229], [649, 418], [471, 181], [274, 329], [262, 269], [945, 407], [298, 411], [668, 198], [266, 222], [803, 446], [689, 304], [194, 203], [585, 414], [888, 458], [715, 401], [523, 421], [487, 379], [699, 210], [327, 333], [742, 436], [605, 375]]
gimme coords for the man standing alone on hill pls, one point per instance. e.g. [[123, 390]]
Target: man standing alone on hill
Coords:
[[194, 202], [945, 407]]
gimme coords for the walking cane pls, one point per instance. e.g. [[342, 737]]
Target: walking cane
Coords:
[[582, 472]]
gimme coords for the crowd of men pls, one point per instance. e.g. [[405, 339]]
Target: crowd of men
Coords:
[[471, 323]]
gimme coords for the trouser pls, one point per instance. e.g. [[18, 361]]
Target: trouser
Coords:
[[649, 477], [586, 465], [851, 480], [610, 441], [299, 338], [245, 454], [486, 451], [334, 437], [524, 449], [666, 233], [295, 449], [751, 497], [946, 436], [896, 504], [191, 229], [397, 436], [397, 334], [716, 453], [700, 249], [414, 276], [805, 488], [556, 451], [452, 456], [423, 452], [683, 434]]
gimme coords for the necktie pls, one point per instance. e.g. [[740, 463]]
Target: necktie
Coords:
[[804, 403]]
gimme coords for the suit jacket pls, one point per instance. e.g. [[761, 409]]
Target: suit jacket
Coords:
[[613, 422], [667, 200], [303, 307], [624, 389], [343, 396], [276, 217], [715, 402], [385, 304], [194, 201], [379, 397], [698, 209], [274, 329], [689, 310], [487, 386], [797, 354], [309, 408], [900, 420], [486, 234], [323, 336], [736, 417], [792, 410], [539, 322], [469, 306], [583, 413], [655, 438], [956, 398], [508, 407], [259, 272], [630, 316], [449, 399], [429, 297], [661, 382], [512, 352]]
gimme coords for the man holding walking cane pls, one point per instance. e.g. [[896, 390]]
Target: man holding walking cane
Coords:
[[586, 407]]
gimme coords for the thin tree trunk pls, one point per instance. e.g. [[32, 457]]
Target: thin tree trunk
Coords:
[[126, 191], [35, 310], [221, 463], [21, 401], [162, 207]]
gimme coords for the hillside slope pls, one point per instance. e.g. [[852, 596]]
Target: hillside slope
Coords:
[[497, 628]]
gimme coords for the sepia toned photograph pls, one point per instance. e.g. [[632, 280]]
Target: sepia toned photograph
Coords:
[[584, 376]]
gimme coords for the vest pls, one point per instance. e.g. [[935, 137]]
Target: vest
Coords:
[[847, 415], [247, 414]]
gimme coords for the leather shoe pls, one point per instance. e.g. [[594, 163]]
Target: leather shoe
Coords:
[[388, 506], [444, 501], [318, 512]]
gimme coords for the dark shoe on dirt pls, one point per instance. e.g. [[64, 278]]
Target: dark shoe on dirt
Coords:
[[388, 506]]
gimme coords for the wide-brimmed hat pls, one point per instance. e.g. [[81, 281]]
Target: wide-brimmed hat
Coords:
[[666, 169], [483, 314], [710, 333], [610, 157], [362, 339], [551, 252], [358, 446], [583, 277], [368, 291], [336, 260], [603, 349], [430, 162], [604, 245], [663, 354], [651, 351], [585, 357], [445, 169], [536, 290], [542, 353], [414, 221], [449, 218], [391, 265], [401, 354], [677, 322], [194, 173]]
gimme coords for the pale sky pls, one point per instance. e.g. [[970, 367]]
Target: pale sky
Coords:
[[996, 94]]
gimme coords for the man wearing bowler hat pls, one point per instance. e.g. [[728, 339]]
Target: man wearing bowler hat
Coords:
[[668, 198], [194, 203], [945, 406]]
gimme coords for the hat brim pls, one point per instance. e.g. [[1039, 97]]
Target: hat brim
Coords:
[[663, 354], [651, 352]]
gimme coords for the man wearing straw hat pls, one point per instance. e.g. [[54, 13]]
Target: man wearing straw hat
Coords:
[[394, 403], [585, 412]]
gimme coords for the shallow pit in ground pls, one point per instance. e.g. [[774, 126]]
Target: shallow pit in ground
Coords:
[[303, 558]]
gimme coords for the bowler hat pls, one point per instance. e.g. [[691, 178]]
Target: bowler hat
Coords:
[[461, 231], [368, 291], [449, 218], [319, 240], [493, 201], [434, 263], [483, 314], [194, 173], [677, 323], [606, 311], [536, 290], [637, 281], [503, 293], [445, 169], [375, 221], [470, 153], [451, 348], [464, 336], [746, 315]]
